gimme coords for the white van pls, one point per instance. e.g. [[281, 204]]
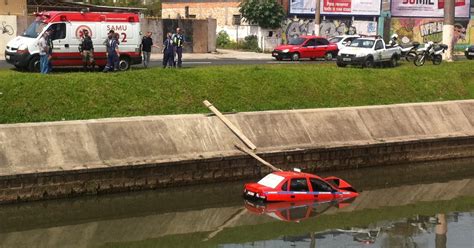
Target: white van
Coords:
[[67, 28]]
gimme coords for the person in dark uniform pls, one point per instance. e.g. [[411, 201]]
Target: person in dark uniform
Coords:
[[168, 52], [111, 45], [147, 43], [178, 41], [86, 48]]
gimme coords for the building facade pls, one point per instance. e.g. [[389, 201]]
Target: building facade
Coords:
[[11, 13], [228, 17], [13, 7]]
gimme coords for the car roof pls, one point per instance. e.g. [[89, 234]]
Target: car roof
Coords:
[[311, 37], [368, 38], [347, 35], [290, 174]]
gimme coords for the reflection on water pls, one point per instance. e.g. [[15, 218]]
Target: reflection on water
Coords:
[[440, 230], [428, 205], [294, 211]]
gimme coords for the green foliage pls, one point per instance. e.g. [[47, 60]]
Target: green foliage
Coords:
[[223, 39], [250, 42], [265, 13], [153, 8], [31, 97]]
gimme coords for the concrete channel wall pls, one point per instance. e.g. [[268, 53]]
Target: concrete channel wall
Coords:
[[59, 159]]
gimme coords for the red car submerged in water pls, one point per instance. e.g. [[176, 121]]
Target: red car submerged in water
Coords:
[[298, 186], [306, 46]]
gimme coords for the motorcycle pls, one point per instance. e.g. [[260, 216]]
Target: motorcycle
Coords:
[[430, 52], [409, 52]]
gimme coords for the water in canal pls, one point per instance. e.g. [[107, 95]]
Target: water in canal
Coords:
[[418, 205]]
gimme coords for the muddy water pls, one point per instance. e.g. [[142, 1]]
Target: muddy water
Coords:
[[417, 205]]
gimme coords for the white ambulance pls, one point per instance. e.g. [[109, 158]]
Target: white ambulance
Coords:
[[68, 28]]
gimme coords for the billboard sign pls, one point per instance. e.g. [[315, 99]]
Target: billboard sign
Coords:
[[336, 7], [351, 7], [427, 8], [302, 7]]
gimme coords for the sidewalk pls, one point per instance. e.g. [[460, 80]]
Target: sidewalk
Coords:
[[220, 54]]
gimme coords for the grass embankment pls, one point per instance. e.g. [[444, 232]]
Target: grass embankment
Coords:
[[27, 97]]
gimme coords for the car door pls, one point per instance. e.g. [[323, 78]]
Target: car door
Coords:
[[64, 53], [322, 190], [299, 189], [307, 51], [379, 48], [321, 47], [285, 194]]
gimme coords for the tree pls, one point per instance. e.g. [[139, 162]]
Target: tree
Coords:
[[153, 7], [265, 13]]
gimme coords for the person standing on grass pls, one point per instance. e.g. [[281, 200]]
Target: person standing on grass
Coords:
[[86, 48], [147, 43], [51, 47], [168, 52], [117, 58], [44, 52], [112, 51], [178, 41]]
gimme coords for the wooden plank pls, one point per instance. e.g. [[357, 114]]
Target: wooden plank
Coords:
[[254, 155], [229, 124]]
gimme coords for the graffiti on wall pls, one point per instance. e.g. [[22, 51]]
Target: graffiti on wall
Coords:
[[328, 28], [431, 29], [296, 27], [7, 30]]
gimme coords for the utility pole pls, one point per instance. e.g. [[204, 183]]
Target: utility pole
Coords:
[[448, 29], [317, 17]]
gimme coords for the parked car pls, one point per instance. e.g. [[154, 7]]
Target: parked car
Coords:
[[368, 51], [343, 40], [469, 52], [311, 47]]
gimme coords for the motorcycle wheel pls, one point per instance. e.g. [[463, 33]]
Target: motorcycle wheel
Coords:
[[411, 56], [437, 59], [419, 60]]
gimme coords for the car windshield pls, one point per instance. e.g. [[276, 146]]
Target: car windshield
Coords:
[[34, 29], [335, 39], [363, 43], [271, 180], [296, 41]]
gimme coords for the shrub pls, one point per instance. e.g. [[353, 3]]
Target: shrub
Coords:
[[251, 43], [223, 39]]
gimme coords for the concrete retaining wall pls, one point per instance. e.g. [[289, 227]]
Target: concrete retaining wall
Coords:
[[47, 160]]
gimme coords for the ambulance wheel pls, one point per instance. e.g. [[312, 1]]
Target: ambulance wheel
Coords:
[[124, 64], [34, 64]]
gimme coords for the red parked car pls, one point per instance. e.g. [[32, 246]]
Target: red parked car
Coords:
[[310, 46], [298, 186]]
